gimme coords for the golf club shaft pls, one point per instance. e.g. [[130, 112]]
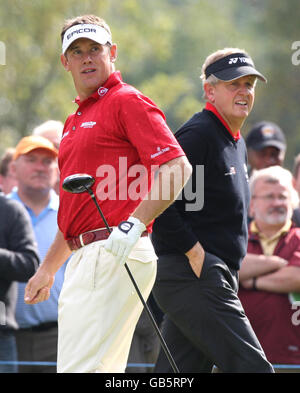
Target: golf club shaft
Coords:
[[156, 328]]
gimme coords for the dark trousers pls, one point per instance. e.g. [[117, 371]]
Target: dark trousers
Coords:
[[38, 347], [204, 322], [8, 352], [144, 346]]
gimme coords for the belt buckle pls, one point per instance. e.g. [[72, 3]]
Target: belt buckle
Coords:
[[89, 238], [81, 240]]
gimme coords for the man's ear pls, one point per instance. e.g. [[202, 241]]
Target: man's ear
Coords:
[[209, 92], [13, 167], [64, 62], [113, 53], [251, 209]]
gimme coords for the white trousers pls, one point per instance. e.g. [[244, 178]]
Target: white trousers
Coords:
[[99, 307]]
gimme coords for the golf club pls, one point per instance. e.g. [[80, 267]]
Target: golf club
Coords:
[[82, 182]]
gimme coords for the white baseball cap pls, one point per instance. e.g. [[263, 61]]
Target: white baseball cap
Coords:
[[93, 32]]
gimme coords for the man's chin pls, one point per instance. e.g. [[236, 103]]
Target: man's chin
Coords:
[[277, 220], [39, 188]]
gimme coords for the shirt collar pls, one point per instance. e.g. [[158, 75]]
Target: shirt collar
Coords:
[[283, 230], [212, 108], [54, 201], [112, 80]]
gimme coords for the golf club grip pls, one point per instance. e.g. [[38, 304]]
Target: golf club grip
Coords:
[[156, 328]]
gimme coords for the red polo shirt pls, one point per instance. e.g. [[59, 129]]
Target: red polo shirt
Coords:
[[120, 137], [274, 320]]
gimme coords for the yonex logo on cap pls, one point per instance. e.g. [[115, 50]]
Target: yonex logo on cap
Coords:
[[235, 60]]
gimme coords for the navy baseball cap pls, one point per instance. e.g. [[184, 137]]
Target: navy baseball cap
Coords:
[[233, 66], [265, 134]]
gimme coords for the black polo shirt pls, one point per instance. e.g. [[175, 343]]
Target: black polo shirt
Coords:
[[220, 222]]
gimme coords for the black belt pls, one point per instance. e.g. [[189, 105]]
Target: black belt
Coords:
[[40, 328]]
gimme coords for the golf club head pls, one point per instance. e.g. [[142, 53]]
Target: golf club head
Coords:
[[78, 183]]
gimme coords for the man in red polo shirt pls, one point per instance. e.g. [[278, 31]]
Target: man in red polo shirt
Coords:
[[120, 137], [271, 269]]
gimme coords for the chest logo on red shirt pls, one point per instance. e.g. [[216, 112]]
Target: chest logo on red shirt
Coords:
[[65, 134], [88, 124], [102, 91]]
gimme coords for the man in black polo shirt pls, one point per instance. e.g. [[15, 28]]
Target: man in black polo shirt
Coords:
[[200, 250]]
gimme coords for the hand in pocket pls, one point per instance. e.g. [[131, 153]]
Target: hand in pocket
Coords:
[[196, 258]]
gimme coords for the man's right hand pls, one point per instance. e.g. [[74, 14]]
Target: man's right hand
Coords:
[[196, 258], [38, 287]]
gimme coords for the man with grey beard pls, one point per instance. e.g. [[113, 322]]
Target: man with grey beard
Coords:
[[270, 272]]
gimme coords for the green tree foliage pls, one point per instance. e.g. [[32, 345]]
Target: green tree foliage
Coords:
[[161, 47]]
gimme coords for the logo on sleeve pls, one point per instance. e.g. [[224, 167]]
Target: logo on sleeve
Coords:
[[246, 172], [160, 151]]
